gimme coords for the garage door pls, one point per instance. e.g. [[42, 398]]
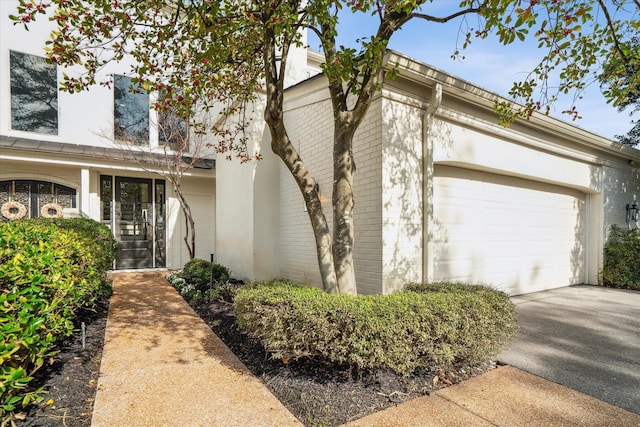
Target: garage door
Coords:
[[517, 235]]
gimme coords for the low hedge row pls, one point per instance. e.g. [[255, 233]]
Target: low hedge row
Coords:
[[48, 270], [621, 267], [423, 326]]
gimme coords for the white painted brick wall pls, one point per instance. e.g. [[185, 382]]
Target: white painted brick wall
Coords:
[[311, 130], [401, 194]]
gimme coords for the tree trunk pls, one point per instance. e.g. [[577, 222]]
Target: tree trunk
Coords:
[[282, 147], [343, 203], [190, 225]]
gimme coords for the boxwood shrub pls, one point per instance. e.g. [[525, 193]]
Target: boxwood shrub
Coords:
[[621, 267], [198, 273], [423, 326], [48, 270]]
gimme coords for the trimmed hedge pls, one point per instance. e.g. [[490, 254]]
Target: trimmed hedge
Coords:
[[48, 270], [621, 259], [424, 326]]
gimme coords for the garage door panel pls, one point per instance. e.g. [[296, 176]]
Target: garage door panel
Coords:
[[518, 235]]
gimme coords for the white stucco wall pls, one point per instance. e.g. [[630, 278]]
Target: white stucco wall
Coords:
[[200, 194], [86, 119], [247, 221], [85, 116]]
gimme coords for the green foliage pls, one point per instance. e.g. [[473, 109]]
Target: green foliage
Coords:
[[200, 281], [48, 270], [426, 326], [199, 273], [621, 259], [624, 76]]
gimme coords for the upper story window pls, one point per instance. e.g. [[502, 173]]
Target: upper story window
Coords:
[[173, 132], [34, 94], [130, 112]]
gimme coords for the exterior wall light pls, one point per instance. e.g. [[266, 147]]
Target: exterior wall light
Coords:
[[316, 186], [633, 214]]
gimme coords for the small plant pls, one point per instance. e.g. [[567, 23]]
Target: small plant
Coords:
[[200, 282], [621, 259], [201, 274], [197, 273]]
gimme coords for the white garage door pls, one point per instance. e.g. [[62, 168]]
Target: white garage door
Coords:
[[517, 235]]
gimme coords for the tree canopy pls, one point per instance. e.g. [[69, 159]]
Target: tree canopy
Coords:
[[626, 76], [202, 54]]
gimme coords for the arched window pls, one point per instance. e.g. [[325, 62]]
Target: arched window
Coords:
[[28, 199]]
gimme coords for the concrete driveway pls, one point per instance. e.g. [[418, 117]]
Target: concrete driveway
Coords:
[[584, 337]]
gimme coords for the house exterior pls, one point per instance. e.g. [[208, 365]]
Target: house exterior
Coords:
[[445, 193], [67, 154], [442, 191]]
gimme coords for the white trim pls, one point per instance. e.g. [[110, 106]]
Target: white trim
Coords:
[[85, 164], [85, 192]]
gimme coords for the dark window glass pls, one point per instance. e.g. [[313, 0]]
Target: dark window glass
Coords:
[[131, 111], [160, 223], [34, 94], [172, 132], [106, 196], [172, 128]]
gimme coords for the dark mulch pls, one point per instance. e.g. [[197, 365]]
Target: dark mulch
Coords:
[[70, 382], [315, 393], [323, 395]]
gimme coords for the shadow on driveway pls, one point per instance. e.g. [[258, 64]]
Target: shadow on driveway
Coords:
[[584, 337]]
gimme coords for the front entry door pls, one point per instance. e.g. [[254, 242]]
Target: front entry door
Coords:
[[137, 222], [134, 222]]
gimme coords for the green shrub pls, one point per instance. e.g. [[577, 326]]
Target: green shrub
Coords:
[[48, 270], [193, 282], [198, 273], [422, 327], [221, 274], [621, 267]]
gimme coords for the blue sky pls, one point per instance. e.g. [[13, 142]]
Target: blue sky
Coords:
[[487, 63]]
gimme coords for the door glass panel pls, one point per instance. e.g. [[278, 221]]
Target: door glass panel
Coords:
[[134, 222], [160, 224], [135, 207], [106, 198]]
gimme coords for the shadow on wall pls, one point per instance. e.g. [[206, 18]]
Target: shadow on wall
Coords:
[[579, 251], [402, 195], [513, 233]]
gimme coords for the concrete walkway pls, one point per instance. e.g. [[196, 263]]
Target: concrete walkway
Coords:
[[162, 366]]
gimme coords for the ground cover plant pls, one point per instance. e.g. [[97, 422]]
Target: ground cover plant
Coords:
[[621, 259], [49, 271]]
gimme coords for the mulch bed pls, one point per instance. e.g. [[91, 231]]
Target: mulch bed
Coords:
[[322, 395], [315, 393]]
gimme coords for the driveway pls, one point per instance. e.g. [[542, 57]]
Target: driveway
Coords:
[[584, 337]]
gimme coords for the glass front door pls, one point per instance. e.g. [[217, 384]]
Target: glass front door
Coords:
[[134, 209], [133, 198]]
